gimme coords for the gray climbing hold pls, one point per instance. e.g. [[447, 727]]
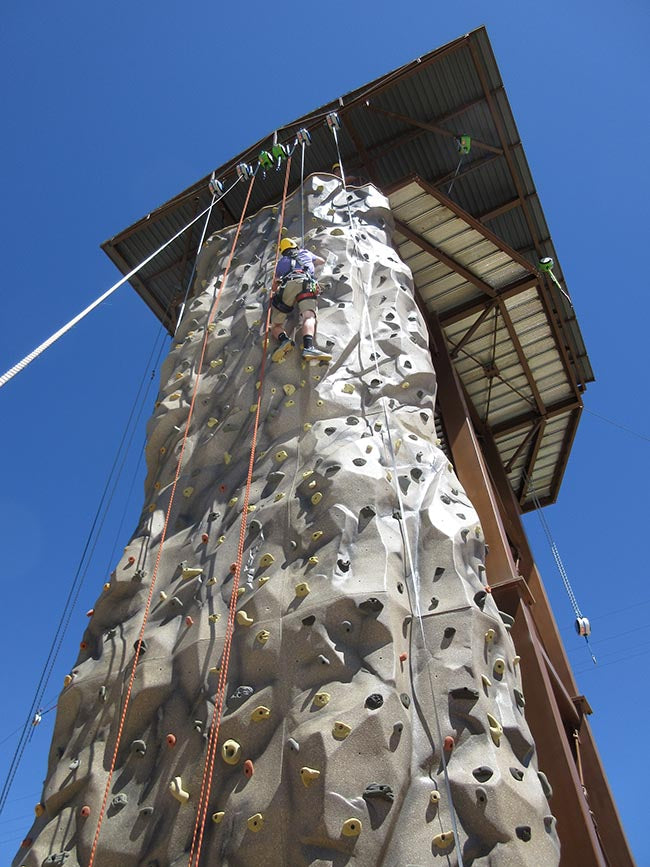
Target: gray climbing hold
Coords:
[[379, 790], [371, 605], [56, 859], [480, 598], [139, 747], [374, 701], [241, 694], [438, 573], [146, 811], [405, 699], [400, 587], [309, 621], [434, 602], [483, 773], [507, 619], [519, 697], [547, 788], [517, 773], [481, 796], [398, 727], [120, 800]]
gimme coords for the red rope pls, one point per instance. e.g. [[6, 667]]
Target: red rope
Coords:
[[163, 536], [208, 768]]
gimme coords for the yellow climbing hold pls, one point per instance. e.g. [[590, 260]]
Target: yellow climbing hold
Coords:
[[39, 809], [212, 325], [302, 589], [263, 579], [306, 426], [221, 540], [252, 507], [213, 363], [496, 729], [434, 797], [190, 571], [217, 818], [187, 492], [351, 827], [263, 636], [253, 407], [213, 421], [175, 395], [260, 713], [163, 595], [256, 822], [232, 501], [320, 402], [179, 375], [316, 536], [486, 681], [227, 457], [444, 840], [249, 368], [516, 660], [499, 666], [214, 617], [162, 450], [321, 699], [313, 561], [308, 775], [289, 403], [281, 456], [67, 680], [243, 619], [316, 498], [406, 384], [340, 731], [266, 560], [177, 790], [231, 752], [278, 497], [348, 388], [490, 636], [240, 591], [288, 389]]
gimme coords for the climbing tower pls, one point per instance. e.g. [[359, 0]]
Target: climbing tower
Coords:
[[327, 640]]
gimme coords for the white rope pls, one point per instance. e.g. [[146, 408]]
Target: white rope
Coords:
[[302, 195], [196, 259], [414, 592], [22, 364]]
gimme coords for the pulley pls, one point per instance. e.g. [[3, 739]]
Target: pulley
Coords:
[[265, 160], [583, 627], [333, 121], [303, 136], [215, 186], [464, 143], [279, 152], [546, 264], [244, 171]]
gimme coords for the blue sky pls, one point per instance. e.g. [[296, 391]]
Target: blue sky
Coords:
[[110, 109]]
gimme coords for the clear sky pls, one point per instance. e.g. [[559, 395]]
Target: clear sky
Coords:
[[109, 109]]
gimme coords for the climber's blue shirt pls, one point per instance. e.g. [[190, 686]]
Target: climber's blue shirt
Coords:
[[303, 260]]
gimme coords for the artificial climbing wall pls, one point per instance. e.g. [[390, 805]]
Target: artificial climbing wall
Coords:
[[374, 706]]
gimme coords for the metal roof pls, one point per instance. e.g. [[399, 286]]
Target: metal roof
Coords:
[[402, 125]]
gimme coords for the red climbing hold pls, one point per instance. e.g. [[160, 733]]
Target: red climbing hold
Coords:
[[189, 620], [205, 538], [488, 589], [90, 612], [222, 488], [131, 561], [233, 568], [248, 768], [171, 740], [449, 744], [85, 811], [403, 657], [82, 645], [27, 842]]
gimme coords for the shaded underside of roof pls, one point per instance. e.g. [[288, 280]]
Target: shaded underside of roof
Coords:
[[524, 364]]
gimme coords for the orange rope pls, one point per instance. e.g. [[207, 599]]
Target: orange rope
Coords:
[[164, 533], [208, 768]]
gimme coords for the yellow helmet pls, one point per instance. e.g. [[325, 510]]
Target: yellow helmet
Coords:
[[287, 244]]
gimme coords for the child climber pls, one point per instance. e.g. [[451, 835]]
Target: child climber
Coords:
[[296, 284]]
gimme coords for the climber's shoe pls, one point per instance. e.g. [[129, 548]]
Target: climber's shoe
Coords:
[[314, 354], [283, 350]]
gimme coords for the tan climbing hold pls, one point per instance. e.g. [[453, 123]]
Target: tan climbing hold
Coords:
[[187, 492], [320, 403], [243, 619], [434, 797], [348, 388], [289, 403], [233, 501], [256, 822], [288, 389], [337, 232], [302, 589], [214, 617], [490, 635], [260, 713], [39, 809], [351, 828], [212, 326], [281, 456], [190, 571], [67, 680], [231, 752], [266, 560], [321, 699], [249, 368], [213, 421], [313, 561], [516, 660], [341, 730], [217, 818], [278, 497], [406, 384], [162, 595], [485, 680], [240, 591], [496, 729], [175, 396], [227, 457], [179, 375], [263, 579], [499, 665], [177, 790], [316, 536], [316, 498], [263, 636], [444, 840], [313, 483], [308, 775]]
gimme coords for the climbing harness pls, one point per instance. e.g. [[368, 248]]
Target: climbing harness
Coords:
[[215, 723], [582, 625], [21, 365], [412, 572], [147, 608]]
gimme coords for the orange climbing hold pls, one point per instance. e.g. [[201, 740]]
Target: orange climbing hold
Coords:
[[248, 769], [90, 612], [131, 561], [449, 744], [171, 740], [403, 657], [189, 621], [85, 811], [205, 538]]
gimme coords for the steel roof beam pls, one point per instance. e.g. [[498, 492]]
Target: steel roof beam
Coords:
[[524, 420], [464, 311]]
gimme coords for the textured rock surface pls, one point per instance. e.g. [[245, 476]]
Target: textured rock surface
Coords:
[[330, 690]]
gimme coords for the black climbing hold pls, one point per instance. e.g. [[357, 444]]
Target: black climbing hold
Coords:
[[343, 565], [450, 631], [549, 823], [437, 574], [368, 512], [176, 601], [405, 699], [330, 471], [347, 626], [483, 773], [358, 462], [374, 701], [546, 786], [517, 773], [466, 693], [371, 605], [399, 727], [352, 419], [480, 598], [463, 518], [397, 514], [139, 575], [434, 602], [378, 790], [519, 697], [242, 693], [445, 499], [416, 474], [213, 516], [481, 796], [309, 621], [400, 587], [507, 619], [523, 832], [330, 430], [143, 646], [464, 534]]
